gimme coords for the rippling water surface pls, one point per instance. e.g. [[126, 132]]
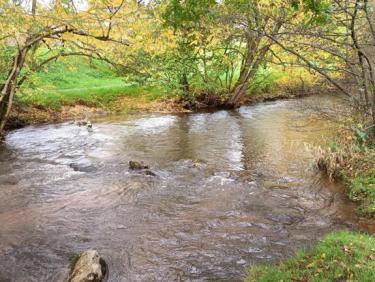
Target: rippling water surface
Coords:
[[232, 188]]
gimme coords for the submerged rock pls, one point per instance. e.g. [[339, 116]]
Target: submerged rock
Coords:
[[81, 122], [90, 267], [9, 180], [141, 167], [85, 123], [82, 167], [150, 173], [134, 165]]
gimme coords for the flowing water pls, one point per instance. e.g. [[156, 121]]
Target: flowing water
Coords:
[[232, 188]]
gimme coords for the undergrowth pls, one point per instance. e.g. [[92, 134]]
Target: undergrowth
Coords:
[[351, 158]]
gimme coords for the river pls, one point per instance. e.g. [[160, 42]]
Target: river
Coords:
[[232, 189]]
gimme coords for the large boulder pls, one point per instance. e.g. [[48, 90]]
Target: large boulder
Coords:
[[90, 267]]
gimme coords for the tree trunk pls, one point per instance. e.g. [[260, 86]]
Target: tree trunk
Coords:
[[184, 84], [241, 85], [254, 57], [9, 87], [33, 7], [247, 74]]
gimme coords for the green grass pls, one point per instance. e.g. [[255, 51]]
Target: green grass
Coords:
[[78, 80], [90, 96], [362, 189], [340, 256], [265, 80]]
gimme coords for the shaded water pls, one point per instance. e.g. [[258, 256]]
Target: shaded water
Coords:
[[233, 188]]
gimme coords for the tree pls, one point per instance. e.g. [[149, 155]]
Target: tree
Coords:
[[61, 29], [252, 19], [343, 36], [238, 35]]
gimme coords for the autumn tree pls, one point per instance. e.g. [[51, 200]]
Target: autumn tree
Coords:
[[339, 45], [236, 35], [60, 28]]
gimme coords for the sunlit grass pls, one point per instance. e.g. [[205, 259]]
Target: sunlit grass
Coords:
[[340, 256], [80, 81]]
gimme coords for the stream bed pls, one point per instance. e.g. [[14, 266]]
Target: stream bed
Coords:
[[232, 189]]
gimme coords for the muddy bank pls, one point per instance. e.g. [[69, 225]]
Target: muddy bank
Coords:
[[24, 115]]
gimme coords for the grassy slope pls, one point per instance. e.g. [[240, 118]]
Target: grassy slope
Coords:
[[340, 256], [351, 158], [78, 81], [362, 189]]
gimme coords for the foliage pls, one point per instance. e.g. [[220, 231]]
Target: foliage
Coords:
[[340, 256], [6, 54], [320, 10], [180, 14]]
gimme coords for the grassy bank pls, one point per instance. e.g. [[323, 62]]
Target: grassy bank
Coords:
[[351, 159], [78, 80], [81, 81], [340, 256], [78, 87]]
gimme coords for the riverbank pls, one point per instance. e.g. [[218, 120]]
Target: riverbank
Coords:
[[58, 107], [350, 158], [78, 88], [339, 256], [25, 114]]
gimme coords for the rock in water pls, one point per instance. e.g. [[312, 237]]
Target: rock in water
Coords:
[[90, 267], [137, 165], [150, 173]]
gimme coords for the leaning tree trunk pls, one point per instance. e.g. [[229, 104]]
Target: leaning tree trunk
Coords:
[[254, 57], [242, 83], [238, 92], [9, 87], [247, 73]]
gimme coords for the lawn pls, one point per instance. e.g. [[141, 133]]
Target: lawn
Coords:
[[78, 80]]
